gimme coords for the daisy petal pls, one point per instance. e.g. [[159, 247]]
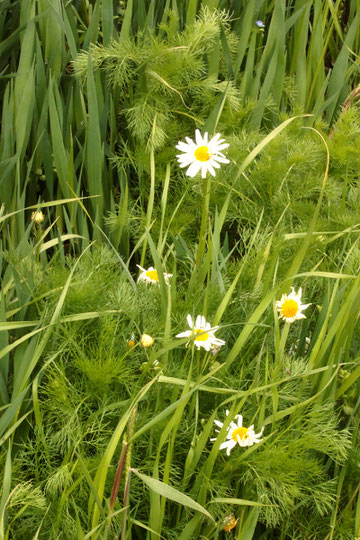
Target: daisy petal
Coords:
[[193, 169]]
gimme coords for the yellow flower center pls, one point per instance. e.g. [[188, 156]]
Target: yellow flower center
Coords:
[[152, 274], [200, 334], [241, 432], [202, 153], [289, 308]]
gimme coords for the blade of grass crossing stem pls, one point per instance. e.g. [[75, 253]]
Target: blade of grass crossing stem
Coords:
[[103, 469], [171, 493], [94, 148], [43, 205], [265, 142]]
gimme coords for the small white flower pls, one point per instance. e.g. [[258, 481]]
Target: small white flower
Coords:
[[203, 332], [151, 276], [202, 155], [290, 307], [238, 434], [260, 24]]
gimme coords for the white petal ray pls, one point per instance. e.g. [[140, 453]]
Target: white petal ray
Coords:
[[190, 321], [198, 138], [184, 334], [184, 147], [193, 169], [221, 159]]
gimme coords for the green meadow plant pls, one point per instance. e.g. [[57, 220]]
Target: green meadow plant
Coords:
[[100, 412], [166, 68], [117, 399]]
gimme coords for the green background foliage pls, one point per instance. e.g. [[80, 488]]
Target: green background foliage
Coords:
[[94, 98]]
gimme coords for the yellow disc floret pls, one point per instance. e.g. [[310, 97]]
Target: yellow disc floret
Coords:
[[241, 432], [289, 308], [152, 274], [200, 335], [202, 153]]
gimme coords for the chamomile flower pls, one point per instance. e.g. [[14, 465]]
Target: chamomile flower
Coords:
[[238, 434], [202, 155], [290, 307], [203, 332], [151, 276]]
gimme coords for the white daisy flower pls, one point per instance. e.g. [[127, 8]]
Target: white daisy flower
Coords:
[[151, 276], [204, 333], [290, 307], [238, 434], [202, 155]]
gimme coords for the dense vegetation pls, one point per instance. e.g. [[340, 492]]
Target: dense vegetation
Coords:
[[106, 433]]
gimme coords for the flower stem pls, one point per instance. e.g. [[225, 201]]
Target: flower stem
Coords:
[[206, 189], [284, 335]]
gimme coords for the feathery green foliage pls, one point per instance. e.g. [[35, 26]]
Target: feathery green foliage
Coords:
[[100, 436]]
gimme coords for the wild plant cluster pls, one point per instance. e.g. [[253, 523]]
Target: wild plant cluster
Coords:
[[180, 354]]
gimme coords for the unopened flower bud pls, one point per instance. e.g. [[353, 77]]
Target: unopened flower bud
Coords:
[[37, 217], [146, 340]]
